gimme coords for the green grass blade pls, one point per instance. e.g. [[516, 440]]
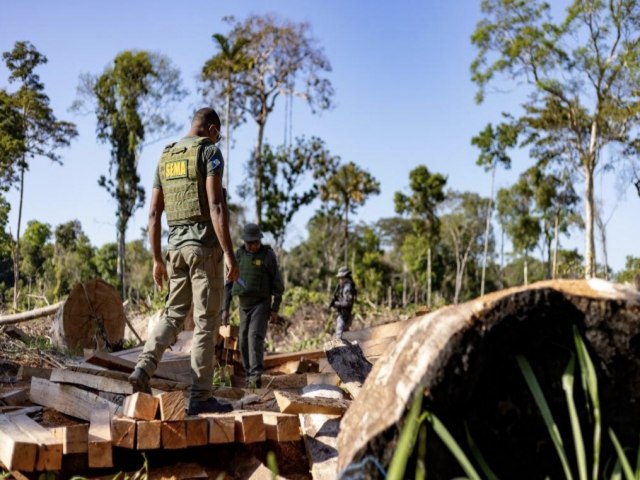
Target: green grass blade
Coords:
[[622, 457], [638, 464], [568, 378], [617, 472], [545, 411], [453, 446], [484, 466], [590, 379], [407, 439]]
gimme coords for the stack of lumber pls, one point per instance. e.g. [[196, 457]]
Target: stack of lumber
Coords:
[[109, 415]]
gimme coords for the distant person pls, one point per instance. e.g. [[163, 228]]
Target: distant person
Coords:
[[343, 299], [259, 290], [188, 187]]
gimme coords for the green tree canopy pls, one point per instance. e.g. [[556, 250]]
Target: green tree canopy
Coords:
[[285, 172], [276, 57], [581, 74], [347, 189], [38, 134], [131, 100]]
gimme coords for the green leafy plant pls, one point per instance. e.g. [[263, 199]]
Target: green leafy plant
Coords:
[[587, 464], [221, 377]]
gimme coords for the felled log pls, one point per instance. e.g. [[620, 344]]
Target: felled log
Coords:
[[92, 316], [349, 363], [464, 359], [30, 315]]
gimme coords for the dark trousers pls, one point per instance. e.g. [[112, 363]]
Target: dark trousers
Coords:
[[343, 322], [253, 330]]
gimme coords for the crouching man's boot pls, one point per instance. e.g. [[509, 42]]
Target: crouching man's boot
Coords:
[[139, 380]]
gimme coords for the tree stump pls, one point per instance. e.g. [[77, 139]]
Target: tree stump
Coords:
[[91, 317], [463, 358]]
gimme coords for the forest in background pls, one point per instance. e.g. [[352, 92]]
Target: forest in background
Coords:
[[444, 246]]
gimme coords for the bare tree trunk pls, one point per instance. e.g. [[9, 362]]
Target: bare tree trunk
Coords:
[[486, 231], [602, 228], [404, 284], [556, 235], [429, 277], [227, 139], [526, 269], [258, 172], [590, 260], [346, 234], [389, 297], [121, 263], [16, 252]]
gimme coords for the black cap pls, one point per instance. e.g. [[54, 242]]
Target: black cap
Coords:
[[251, 232]]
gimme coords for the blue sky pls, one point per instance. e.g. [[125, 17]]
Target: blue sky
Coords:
[[403, 98]]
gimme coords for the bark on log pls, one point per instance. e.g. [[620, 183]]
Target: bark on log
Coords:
[[464, 359], [349, 363], [91, 317], [30, 315]]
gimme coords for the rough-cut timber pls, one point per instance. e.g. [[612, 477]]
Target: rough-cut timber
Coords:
[[140, 406], [91, 317], [172, 406], [197, 431], [100, 447], [250, 427], [464, 359], [17, 449], [221, 427], [49, 454], [281, 427], [123, 432], [66, 399], [291, 403], [149, 434], [320, 433], [74, 438], [349, 363], [174, 435]]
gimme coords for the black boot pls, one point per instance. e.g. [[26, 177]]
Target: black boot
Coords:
[[139, 380]]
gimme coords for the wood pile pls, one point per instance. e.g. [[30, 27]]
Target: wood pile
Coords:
[[104, 417]]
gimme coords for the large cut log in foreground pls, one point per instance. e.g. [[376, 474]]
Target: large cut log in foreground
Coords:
[[464, 357], [91, 317]]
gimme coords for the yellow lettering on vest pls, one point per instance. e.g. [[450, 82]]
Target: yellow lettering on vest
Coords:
[[175, 169]]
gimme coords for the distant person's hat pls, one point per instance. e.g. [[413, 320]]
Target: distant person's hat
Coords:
[[343, 272], [251, 232]]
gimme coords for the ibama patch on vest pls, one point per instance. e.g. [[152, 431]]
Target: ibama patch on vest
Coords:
[[177, 169]]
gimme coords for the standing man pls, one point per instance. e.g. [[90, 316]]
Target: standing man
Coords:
[[259, 283], [188, 187], [343, 300]]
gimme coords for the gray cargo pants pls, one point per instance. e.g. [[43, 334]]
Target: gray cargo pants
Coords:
[[195, 275], [253, 330]]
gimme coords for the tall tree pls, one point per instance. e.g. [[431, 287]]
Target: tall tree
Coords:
[[427, 192], [36, 254], [12, 144], [581, 73], [73, 256], [228, 63], [557, 205], [463, 223], [285, 169], [516, 213], [284, 59], [493, 144], [42, 133], [6, 248], [348, 188], [131, 100]]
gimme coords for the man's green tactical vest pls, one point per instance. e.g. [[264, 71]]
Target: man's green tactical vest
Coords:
[[183, 187], [253, 273]]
